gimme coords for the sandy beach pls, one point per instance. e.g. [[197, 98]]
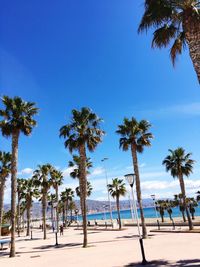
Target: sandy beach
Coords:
[[106, 249]]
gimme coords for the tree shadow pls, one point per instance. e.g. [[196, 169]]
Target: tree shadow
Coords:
[[159, 263], [58, 246]]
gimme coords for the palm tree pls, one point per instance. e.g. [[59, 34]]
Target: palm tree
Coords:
[[198, 196], [89, 190], [43, 180], [117, 189], [178, 202], [30, 191], [17, 118], [169, 205], [66, 197], [20, 190], [192, 204], [176, 22], [135, 135], [57, 180], [72, 207], [180, 164], [5, 167], [75, 164], [82, 133], [160, 207], [51, 200]]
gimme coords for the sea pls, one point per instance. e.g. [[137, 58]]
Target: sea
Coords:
[[148, 213]]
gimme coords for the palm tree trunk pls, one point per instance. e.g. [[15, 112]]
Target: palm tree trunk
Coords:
[[162, 217], [44, 206], [2, 188], [15, 139], [23, 219], [18, 214], [191, 28], [183, 215], [64, 214], [83, 191], [57, 214], [28, 214], [138, 189], [182, 185], [118, 212]]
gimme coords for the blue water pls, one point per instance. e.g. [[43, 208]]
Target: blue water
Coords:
[[148, 213]]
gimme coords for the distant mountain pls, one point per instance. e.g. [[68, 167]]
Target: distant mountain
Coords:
[[93, 206]]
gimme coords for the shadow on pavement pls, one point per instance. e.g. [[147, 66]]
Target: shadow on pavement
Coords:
[[160, 263]]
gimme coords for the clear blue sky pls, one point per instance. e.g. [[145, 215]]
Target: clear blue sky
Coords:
[[68, 54]]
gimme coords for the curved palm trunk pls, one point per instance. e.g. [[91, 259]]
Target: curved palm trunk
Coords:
[[83, 192], [170, 215], [138, 189], [183, 215], [15, 139], [2, 188], [118, 212], [182, 185], [162, 217], [193, 218], [191, 28], [44, 207]]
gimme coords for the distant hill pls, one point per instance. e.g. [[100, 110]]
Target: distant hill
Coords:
[[93, 206]]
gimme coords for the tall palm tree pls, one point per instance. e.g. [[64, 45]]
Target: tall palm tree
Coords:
[[43, 180], [117, 189], [178, 163], [20, 191], [30, 191], [135, 135], [57, 180], [5, 168], [17, 118], [51, 200], [176, 22], [66, 197], [82, 133]]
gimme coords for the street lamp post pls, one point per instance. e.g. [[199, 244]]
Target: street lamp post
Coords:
[[103, 160], [130, 179], [131, 207]]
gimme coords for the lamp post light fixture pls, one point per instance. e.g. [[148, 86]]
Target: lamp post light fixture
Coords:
[[130, 178], [110, 207]]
